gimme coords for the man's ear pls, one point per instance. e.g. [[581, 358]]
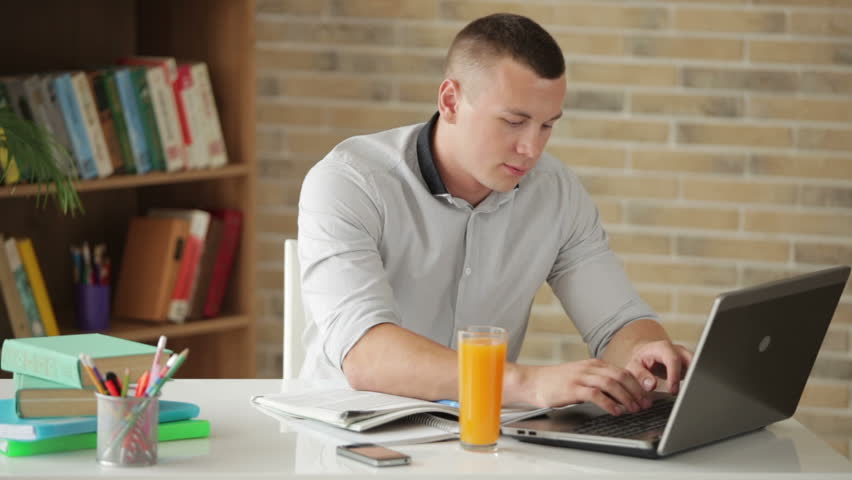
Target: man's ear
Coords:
[[449, 98]]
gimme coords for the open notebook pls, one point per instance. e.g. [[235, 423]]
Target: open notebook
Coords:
[[370, 416]]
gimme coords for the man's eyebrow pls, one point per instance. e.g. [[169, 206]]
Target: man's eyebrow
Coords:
[[521, 113]]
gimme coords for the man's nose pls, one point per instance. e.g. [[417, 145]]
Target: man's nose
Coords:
[[531, 144]]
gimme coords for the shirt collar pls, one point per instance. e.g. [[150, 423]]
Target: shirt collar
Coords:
[[427, 161]]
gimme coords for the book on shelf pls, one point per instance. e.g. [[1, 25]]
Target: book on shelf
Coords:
[[13, 305], [39, 288], [193, 249], [24, 289], [204, 272], [72, 113], [139, 81], [46, 113], [166, 432], [8, 166], [191, 109], [13, 427], [232, 225], [98, 84], [360, 411], [149, 268], [215, 151], [57, 358], [162, 73], [133, 119], [92, 123], [37, 398]]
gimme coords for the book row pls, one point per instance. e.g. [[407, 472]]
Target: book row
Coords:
[[145, 114], [177, 264]]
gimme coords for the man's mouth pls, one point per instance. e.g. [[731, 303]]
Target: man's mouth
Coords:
[[518, 172]]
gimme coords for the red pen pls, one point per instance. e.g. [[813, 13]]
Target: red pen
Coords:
[[142, 384], [112, 384]]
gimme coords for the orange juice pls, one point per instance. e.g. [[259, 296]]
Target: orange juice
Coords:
[[481, 361]]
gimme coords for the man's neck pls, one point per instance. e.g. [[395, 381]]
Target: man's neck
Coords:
[[459, 183]]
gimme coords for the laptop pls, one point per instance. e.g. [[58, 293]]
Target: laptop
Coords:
[[749, 370]]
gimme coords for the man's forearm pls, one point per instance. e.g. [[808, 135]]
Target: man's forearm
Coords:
[[620, 349], [391, 359]]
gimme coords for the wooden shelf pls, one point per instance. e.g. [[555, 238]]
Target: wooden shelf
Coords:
[[94, 33], [142, 331], [132, 181]]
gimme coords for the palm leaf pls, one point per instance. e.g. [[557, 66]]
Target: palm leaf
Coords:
[[38, 156]]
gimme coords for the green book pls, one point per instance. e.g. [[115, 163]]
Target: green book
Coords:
[[117, 111], [57, 359], [180, 430], [149, 120]]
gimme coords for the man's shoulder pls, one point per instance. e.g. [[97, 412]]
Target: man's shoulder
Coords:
[[375, 152]]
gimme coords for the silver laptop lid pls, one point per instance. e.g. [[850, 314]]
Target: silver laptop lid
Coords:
[[755, 356]]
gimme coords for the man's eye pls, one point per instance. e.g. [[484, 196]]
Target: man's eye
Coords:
[[514, 124], [547, 126]]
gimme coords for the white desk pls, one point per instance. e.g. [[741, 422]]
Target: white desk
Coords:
[[247, 443]]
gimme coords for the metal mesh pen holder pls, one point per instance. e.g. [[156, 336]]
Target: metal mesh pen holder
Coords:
[[127, 430]]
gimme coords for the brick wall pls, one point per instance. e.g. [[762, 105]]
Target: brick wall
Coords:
[[715, 136]]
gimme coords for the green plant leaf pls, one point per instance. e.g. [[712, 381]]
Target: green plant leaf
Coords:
[[38, 156]]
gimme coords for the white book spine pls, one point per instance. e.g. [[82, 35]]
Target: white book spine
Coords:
[[168, 125], [195, 117], [215, 150], [92, 123]]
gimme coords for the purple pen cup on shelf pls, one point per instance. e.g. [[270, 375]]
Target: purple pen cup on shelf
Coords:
[[93, 307]]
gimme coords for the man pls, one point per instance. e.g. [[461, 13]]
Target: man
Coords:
[[409, 234]]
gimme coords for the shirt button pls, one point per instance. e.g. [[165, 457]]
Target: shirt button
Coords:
[[467, 271]]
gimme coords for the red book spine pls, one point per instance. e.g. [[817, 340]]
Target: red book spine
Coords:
[[232, 222], [183, 82]]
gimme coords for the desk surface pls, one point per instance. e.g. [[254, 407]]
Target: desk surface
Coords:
[[247, 443]]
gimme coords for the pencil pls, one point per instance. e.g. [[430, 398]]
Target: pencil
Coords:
[[92, 375], [126, 382]]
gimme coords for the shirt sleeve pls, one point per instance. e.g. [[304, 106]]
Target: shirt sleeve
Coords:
[[589, 279], [345, 288]]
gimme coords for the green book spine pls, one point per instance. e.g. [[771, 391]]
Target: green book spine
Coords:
[[180, 430], [117, 112], [149, 120]]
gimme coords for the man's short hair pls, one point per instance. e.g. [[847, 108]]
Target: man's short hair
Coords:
[[485, 40]]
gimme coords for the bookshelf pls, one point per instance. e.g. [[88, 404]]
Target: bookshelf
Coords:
[[44, 35]]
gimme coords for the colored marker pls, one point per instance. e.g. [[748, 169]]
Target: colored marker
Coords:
[[142, 383], [112, 384], [155, 387], [155, 367]]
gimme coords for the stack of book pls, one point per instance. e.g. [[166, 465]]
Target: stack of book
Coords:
[[177, 263], [54, 406], [25, 308], [144, 114]]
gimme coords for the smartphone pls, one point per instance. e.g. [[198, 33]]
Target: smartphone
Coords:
[[372, 454]]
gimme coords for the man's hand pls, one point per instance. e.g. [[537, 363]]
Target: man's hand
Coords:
[[647, 359], [614, 389]]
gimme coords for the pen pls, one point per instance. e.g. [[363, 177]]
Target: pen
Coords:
[[91, 374], [155, 367], [126, 383], [155, 387], [142, 383], [100, 379], [112, 384]]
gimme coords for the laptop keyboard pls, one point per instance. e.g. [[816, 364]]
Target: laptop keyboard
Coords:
[[629, 425]]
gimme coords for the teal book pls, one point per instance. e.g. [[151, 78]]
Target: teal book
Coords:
[[14, 428], [166, 432], [25, 290], [149, 119], [57, 359]]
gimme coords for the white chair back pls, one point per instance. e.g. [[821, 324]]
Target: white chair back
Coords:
[[293, 351]]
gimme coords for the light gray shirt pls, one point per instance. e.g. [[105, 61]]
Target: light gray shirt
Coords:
[[381, 240]]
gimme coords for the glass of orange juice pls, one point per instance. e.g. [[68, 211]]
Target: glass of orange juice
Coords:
[[482, 356]]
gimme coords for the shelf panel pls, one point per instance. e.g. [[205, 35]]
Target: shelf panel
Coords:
[[131, 181], [142, 331]]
